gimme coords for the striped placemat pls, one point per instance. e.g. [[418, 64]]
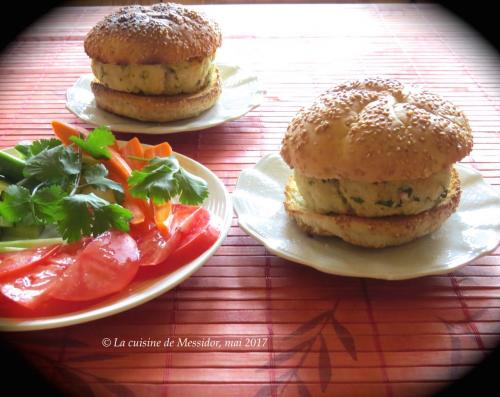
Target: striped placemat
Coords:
[[249, 323]]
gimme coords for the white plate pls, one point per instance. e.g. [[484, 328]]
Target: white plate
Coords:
[[219, 205], [472, 231], [241, 92]]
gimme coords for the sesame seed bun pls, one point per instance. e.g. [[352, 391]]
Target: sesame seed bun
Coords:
[[164, 33], [371, 232], [158, 108], [376, 130]]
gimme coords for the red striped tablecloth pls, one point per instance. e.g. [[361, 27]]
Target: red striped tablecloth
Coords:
[[308, 333]]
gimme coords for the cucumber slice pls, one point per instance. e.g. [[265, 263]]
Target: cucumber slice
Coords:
[[18, 245], [23, 232], [11, 166], [4, 223], [3, 184]]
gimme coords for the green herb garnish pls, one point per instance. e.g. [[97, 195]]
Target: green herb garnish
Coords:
[[385, 203], [97, 142], [163, 178]]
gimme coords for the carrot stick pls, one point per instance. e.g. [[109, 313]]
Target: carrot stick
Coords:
[[133, 148], [160, 150], [135, 206], [64, 131], [163, 150], [149, 152], [161, 214], [117, 165]]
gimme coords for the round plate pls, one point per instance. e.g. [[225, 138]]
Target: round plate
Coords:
[[219, 205], [241, 93], [472, 231]]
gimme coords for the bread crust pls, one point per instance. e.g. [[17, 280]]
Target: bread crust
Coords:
[[165, 33], [376, 130], [372, 232], [158, 108]]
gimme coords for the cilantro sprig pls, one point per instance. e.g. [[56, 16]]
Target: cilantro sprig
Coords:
[[62, 185], [57, 165], [30, 149], [163, 179], [100, 215], [55, 190], [96, 143]]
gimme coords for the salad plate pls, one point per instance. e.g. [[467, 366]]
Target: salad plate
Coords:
[[472, 231], [140, 291], [241, 92]]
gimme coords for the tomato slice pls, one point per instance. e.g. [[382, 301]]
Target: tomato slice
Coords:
[[93, 268], [30, 289], [154, 247], [194, 246], [185, 224], [13, 262], [106, 265]]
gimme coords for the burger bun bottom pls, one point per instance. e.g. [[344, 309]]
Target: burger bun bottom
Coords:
[[372, 232], [158, 108]]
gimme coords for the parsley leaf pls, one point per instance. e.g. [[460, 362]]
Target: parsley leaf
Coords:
[[15, 206], [111, 216], [95, 176], [163, 179], [156, 180], [193, 189], [52, 192], [30, 149], [90, 215], [96, 143], [46, 204], [53, 165]]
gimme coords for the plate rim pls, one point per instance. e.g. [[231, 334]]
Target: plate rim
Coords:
[[293, 258], [259, 93], [159, 287]]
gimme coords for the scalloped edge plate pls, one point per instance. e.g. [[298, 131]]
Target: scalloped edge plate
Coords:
[[241, 92], [472, 231], [220, 207]]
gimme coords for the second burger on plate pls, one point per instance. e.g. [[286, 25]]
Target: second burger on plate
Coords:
[[373, 162], [155, 63]]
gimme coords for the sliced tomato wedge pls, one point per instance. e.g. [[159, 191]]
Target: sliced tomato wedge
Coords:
[[107, 264], [185, 224], [14, 262], [194, 246], [93, 268], [31, 288], [154, 247]]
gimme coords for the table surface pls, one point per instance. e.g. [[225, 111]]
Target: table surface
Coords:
[[326, 335]]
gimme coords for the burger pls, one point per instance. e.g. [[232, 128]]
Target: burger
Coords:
[[155, 63], [373, 162]]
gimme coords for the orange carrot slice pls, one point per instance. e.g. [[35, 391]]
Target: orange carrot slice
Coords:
[[133, 148], [160, 150], [149, 152], [163, 149], [161, 214], [118, 168], [136, 207], [64, 131], [117, 165]]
